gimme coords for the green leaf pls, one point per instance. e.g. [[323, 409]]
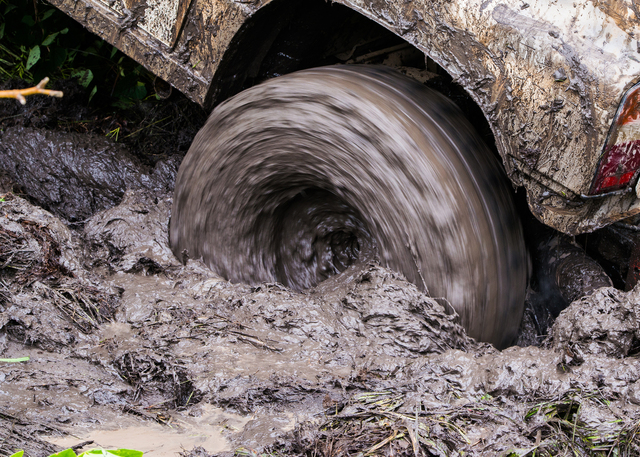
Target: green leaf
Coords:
[[34, 56], [64, 31], [28, 20], [18, 454], [126, 453], [122, 103], [48, 40], [113, 51], [47, 14], [93, 92], [57, 56], [110, 453], [139, 91], [65, 453], [1, 31], [17, 360], [9, 8], [71, 55], [84, 77]]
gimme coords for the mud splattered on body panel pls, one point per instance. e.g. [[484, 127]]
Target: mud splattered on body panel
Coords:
[[549, 130], [548, 75]]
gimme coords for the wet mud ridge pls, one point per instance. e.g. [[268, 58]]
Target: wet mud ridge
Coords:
[[128, 347]]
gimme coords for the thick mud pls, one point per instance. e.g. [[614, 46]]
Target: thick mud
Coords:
[[127, 342], [49, 166]]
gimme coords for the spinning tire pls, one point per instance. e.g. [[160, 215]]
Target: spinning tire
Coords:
[[298, 178]]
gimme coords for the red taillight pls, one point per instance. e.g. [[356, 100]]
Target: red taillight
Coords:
[[621, 159], [617, 167]]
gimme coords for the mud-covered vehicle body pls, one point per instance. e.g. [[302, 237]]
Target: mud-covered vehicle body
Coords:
[[550, 76], [556, 83]]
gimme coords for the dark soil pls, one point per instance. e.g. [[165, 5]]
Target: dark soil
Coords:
[[122, 336]]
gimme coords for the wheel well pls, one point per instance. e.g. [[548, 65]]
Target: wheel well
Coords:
[[291, 35]]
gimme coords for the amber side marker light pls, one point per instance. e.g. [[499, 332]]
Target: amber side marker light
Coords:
[[621, 159]]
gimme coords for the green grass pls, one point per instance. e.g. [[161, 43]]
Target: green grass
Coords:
[[16, 360], [91, 452]]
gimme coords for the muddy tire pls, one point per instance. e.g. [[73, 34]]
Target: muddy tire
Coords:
[[298, 178]]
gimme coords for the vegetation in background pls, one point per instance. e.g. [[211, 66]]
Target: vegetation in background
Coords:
[[105, 92], [38, 41]]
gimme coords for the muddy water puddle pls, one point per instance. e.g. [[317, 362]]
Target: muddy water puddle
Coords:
[[180, 432]]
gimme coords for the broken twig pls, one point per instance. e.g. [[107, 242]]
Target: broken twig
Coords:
[[20, 94]]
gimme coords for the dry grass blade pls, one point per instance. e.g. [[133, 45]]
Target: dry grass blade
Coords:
[[383, 442], [78, 305], [71, 307], [254, 341], [15, 253]]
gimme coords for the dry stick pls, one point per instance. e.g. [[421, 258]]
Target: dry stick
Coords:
[[19, 94], [254, 341], [415, 447], [81, 445], [412, 435], [382, 443]]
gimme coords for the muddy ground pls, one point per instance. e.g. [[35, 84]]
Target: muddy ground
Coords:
[[128, 347]]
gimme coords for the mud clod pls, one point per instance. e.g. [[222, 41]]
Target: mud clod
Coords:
[[133, 235], [605, 324], [156, 376], [45, 290], [16, 433], [75, 175]]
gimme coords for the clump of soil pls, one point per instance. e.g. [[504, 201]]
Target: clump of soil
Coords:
[[40, 272], [606, 323], [75, 175], [17, 433]]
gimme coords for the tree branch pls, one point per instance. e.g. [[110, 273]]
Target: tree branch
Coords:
[[20, 94]]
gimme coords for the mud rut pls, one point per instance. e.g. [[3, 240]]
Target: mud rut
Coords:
[[128, 347]]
